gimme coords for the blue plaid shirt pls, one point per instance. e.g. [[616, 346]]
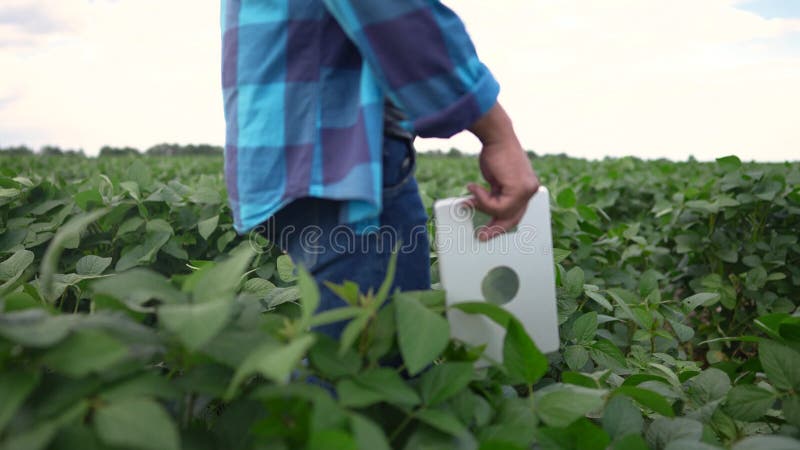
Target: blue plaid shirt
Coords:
[[304, 85]]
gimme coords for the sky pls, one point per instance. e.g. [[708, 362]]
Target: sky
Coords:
[[648, 78]]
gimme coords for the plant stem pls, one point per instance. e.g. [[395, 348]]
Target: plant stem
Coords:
[[401, 427]]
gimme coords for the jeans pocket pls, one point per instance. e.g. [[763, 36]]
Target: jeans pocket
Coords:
[[399, 164], [296, 229]]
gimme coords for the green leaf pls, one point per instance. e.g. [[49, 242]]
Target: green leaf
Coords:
[[9, 193], [383, 333], [137, 287], [522, 360], [220, 281], [383, 292], [14, 389], [756, 278], [621, 297], [560, 254], [579, 379], [421, 333], [567, 199], [272, 360], [683, 444], [286, 269], [683, 332], [444, 381], [576, 356], [512, 423], [353, 395], [701, 299], [280, 296], [84, 352], [12, 268], [18, 301], [497, 314], [748, 402], [139, 173], [621, 417], [324, 357], [442, 421], [136, 423], [631, 442], [368, 435], [795, 195], [150, 384], [770, 324], [335, 315], [86, 199], [132, 188], [585, 328], [559, 408], [92, 265], [258, 287], [767, 442], [781, 363], [607, 355], [585, 435], [375, 386], [648, 399], [35, 328], [352, 331], [388, 383], [664, 430], [195, 323], [573, 282], [205, 195], [309, 296], [602, 301], [347, 291], [145, 253], [39, 436], [207, 227], [711, 385], [129, 226], [729, 163], [791, 410], [582, 434], [225, 239], [330, 439]]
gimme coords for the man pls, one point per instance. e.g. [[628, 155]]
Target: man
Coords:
[[323, 99]]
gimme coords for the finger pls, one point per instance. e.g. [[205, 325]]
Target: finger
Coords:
[[485, 202], [498, 226]]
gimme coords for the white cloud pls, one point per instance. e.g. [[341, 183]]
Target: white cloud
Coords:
[[133, 73], [655, 78], [644, 77]]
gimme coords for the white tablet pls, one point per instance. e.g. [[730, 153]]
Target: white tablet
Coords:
[[514, 270]]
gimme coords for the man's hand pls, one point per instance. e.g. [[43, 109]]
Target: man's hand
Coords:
[[506, 167]]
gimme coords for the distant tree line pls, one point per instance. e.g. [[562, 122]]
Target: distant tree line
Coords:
[[47, 150], [105, 151], [181, 150], [456, 153]]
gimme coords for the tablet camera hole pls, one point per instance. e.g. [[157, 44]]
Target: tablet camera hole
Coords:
[[500, 285]]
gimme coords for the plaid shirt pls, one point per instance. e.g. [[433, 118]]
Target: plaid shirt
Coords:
[[304, 84]]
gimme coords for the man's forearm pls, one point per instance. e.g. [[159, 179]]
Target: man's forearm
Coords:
[[494, 127]]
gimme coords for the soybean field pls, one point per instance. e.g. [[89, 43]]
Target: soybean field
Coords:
[[132, 316]]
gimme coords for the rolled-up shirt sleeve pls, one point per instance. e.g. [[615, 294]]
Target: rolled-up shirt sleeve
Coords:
[[423, 58]]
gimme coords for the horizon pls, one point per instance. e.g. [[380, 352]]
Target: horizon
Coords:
[[80, 152]]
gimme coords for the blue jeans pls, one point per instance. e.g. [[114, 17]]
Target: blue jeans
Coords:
[[309, 230]]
